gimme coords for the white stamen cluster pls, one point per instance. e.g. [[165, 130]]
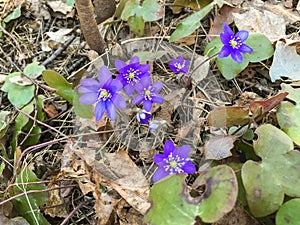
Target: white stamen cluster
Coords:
[[104, 95], [148, 94], [179, 66], [174, 160], [135, 73], [235, 42]]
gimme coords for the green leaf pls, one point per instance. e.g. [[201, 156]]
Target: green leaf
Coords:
[[191, 23], [130, 9], [230, 68], [136, 24], [176, 205], [263, 192], [288, 113], [35, 132], [18, 95], [288, 213], [33, 70], [81, 110], [150, 10], [28, 205], [70, 2], [261, 45], [62, 86], [271, 142], [20, 121], [4, 122], [277, 174], [14, 15]]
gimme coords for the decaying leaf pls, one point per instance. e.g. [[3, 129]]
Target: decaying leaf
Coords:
[[264, 22], [259, 108], [228, 116], [59, 6], [285, 62], [55, 199], [224, 16], [120, 173], [218, 147]]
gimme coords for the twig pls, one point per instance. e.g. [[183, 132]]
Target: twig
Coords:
[[59, 50], [73, 211]]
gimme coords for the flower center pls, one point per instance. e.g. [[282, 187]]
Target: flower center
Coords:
[[103, 95], [132, 75], [235, 42], [147, 93], [174, 164], [179, 66]]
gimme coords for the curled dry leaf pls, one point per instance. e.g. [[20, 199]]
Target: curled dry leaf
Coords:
[[218, 147]]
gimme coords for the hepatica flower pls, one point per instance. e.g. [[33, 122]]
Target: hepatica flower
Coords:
[[103, 92], [173, 161], [234, 44], [130, 74], [179, 65], [147, 93], [143, 116]]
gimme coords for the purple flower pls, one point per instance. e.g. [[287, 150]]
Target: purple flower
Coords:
[[173, 161], [147, 93], [179, 65], [130, 74], [143, 116], [233, 44], [103, 92]]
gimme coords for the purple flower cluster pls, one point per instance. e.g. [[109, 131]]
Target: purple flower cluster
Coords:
[[179, 65], [103, 92], [133, 77], [173, 161], [234, 44]]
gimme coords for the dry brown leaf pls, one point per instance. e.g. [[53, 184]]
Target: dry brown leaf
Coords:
[[119, 172], [38, 9], [190, 129], [224, 16], [128, 217], [60, 36], [289, 15], [60, 6], [55, 199], [218, 147], [51, 111], [105, 205], [264, 22], [188, 40]]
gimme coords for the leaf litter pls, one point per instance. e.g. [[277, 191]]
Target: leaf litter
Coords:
[[111, 162]]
